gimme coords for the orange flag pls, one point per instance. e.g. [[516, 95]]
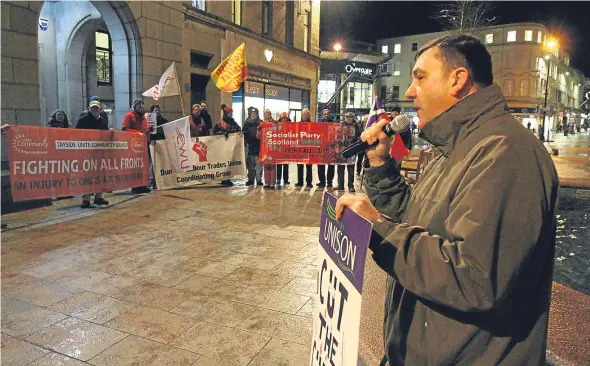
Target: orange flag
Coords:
[[232, 71], [398, 149]]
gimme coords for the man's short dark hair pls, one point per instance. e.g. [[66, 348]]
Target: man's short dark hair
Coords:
[[462, 50], [396, 109]]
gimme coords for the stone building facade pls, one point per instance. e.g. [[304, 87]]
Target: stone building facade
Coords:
[[520, 68]]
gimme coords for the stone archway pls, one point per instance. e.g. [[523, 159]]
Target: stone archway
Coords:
[[78, 22]]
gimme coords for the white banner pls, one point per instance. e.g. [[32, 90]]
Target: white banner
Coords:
[[167, 86], [214, 158], [178, 143]]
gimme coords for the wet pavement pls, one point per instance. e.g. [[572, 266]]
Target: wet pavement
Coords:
[[203, 276]]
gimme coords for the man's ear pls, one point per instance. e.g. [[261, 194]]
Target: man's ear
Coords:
[[461, 83]]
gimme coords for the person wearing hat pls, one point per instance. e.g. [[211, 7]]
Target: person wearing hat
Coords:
[[92, 121], [103, 114], [350, 128], [225, 126], [252, 139], [135, 120]]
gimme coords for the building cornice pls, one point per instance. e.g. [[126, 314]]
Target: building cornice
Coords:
[[214, 21]]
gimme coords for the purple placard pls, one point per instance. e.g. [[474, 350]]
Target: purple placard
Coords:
[[346, 241]]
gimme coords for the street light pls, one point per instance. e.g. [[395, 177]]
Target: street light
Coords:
[[551, 44], [337, 47]]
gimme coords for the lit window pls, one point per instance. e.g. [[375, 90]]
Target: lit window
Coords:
[[237, 11], [414, 46], [539, 36], [199, 4], [397, 48], [103, 57], [490, 38], [508, 87], [524, 88], [384, 49], [511, 36], [528, 36]]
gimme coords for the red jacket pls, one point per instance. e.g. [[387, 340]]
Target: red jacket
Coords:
[[132, 122]]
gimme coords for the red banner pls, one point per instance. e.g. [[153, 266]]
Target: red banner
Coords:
[[304, 142], [53, 162]]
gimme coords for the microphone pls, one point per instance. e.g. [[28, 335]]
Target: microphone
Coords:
[[399, 124]]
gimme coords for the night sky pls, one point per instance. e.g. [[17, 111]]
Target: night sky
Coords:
[[369, 21]]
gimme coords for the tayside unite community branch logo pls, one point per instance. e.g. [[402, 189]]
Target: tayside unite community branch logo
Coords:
[[342, 245], [27, 146]]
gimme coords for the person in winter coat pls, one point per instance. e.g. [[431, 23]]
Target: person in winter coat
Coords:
[[198, 126], [283, 169], [59, 119], [305, 117], [135, 120], [270, 170], [205, 115], [252, 138], [92, 121], [469, 251], [321, 167], [225, 126], [350, 124], [103, 114], [160, 120]]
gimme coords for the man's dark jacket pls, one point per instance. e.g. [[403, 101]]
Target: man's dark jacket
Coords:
[[470, 266], [207, 118], [250, 130], [88, 122]]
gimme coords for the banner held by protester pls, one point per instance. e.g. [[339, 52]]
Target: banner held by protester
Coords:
[[54, 162], [304, 143], [211, 158], [341, 268]]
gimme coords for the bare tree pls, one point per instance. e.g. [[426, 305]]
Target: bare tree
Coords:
[[465, 16]]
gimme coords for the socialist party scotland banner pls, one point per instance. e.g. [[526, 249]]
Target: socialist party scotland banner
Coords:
[[341, 268], [305, 142], [54, 162], [213, 158]]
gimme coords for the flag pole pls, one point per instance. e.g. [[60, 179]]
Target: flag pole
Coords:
[[179, 90]]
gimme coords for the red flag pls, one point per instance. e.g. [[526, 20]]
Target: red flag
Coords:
[[398, 149]]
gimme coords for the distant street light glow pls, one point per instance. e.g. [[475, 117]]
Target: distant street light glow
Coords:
[[337, 47]]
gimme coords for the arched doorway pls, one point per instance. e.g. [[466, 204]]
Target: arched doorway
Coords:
[[88, 48]]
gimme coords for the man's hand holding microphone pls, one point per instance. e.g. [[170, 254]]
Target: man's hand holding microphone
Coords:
[[377, 155]]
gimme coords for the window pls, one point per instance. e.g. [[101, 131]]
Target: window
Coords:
[[395, 94], [524, 88], [307, 31], [384, 49], [236, 11], [567, 60], [511, 36], [383, 93], [397, 48], [289, 22], [104, 61], [414, 46], [266, 18], [539, 36], [397, 65], [528, 35], [386, 68], [199, 4], [508, 87], [525, 60], [489, 38], [200, 59]]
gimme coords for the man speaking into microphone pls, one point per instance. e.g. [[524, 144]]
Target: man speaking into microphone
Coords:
[[469, 250]]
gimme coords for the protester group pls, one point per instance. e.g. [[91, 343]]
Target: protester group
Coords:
[[270, 176]]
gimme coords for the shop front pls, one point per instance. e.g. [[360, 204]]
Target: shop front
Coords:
[[526, 117], [280, 79]]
